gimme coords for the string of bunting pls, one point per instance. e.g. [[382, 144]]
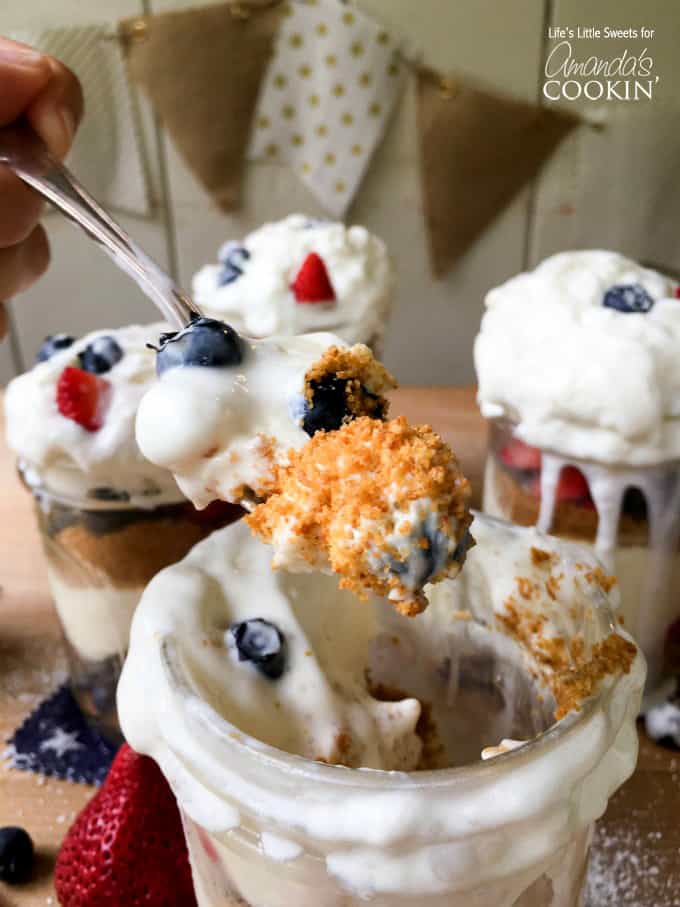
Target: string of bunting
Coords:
[[311, 84]]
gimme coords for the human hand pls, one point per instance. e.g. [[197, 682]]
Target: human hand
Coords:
[[48, 95]]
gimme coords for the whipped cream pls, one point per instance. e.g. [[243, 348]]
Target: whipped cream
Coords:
[[69, 460], [221, 430], [259, 301], [577, 377], [320, 706]]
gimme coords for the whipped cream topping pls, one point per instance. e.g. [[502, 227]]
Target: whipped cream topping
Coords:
[[63, 455], [221, 430], [581, 378], [258, 300], [320, 706]]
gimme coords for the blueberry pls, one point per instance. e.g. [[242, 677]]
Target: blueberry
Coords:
[[328, 409], [228, 274], [261, 643], [52, 344], [16, 854], [106, 493], [101, 355], [206, 341], [630, 297], [233, 257], [426, 562]]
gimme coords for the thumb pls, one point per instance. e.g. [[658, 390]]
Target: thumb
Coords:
[[24, 73]]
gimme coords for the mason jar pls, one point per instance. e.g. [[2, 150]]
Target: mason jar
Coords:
[[101, 550], [630, 516], [267, 828]]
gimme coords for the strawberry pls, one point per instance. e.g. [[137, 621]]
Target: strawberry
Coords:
[[312, 283], [126, 848], [677, 292], [519, 455], [83, 397], [572, 487]]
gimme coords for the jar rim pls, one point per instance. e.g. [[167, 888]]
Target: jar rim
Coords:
[[35, 482]]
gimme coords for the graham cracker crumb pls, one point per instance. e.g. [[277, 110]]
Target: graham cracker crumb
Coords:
[[605, 581], [526, 587], [540, 557], [613, 655], [131, 554], [573, 673], [552, 585], [342, 495], [356, 363]]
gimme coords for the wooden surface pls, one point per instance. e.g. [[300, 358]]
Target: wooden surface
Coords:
[[636, 857]]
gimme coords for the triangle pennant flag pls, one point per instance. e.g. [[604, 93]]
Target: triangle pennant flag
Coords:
[[333, 83], [478, 149], [202, 69]]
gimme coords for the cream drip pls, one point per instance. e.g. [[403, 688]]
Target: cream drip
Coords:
[[660, 486]]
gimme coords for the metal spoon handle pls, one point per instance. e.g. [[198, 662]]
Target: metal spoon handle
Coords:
[[26, 154]]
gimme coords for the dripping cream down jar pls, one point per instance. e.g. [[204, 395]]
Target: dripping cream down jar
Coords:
[[579, 374]]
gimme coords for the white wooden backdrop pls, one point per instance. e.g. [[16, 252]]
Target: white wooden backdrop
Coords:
[[612, 187]]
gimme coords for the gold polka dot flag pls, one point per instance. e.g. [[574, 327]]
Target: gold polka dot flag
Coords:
[[326, 98]]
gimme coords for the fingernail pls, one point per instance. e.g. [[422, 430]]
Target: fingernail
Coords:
[[57, 127], [20, 55]]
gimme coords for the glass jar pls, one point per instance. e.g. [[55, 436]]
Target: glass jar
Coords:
[[269, 829], [101, 551], [631, 517]]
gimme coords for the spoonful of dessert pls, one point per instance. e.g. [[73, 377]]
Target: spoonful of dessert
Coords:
[[28, 157]]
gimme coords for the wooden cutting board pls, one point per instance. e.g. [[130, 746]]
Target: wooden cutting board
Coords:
[[636, 853]]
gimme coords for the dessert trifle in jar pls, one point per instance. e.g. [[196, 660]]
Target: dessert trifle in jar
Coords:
[[357, 726], [300, 275], [108, 519], [328, 751], [579, 375]]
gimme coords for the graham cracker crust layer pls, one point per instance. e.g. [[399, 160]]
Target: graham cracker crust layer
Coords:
[[131, 554], [571, 519]]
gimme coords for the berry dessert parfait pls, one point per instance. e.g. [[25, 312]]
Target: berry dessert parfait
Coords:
[[328, 751], [108, 518], [301, 275], [579, 374]]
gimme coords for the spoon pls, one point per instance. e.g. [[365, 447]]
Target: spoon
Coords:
[[26, 154]]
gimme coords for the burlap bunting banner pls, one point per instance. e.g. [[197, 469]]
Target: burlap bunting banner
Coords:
[[478, 149], [202, 69]]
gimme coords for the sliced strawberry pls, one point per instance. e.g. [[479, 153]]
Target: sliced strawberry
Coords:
[[126, 848], [312, 283], [83, 397], [519, 455], [572, 486]]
